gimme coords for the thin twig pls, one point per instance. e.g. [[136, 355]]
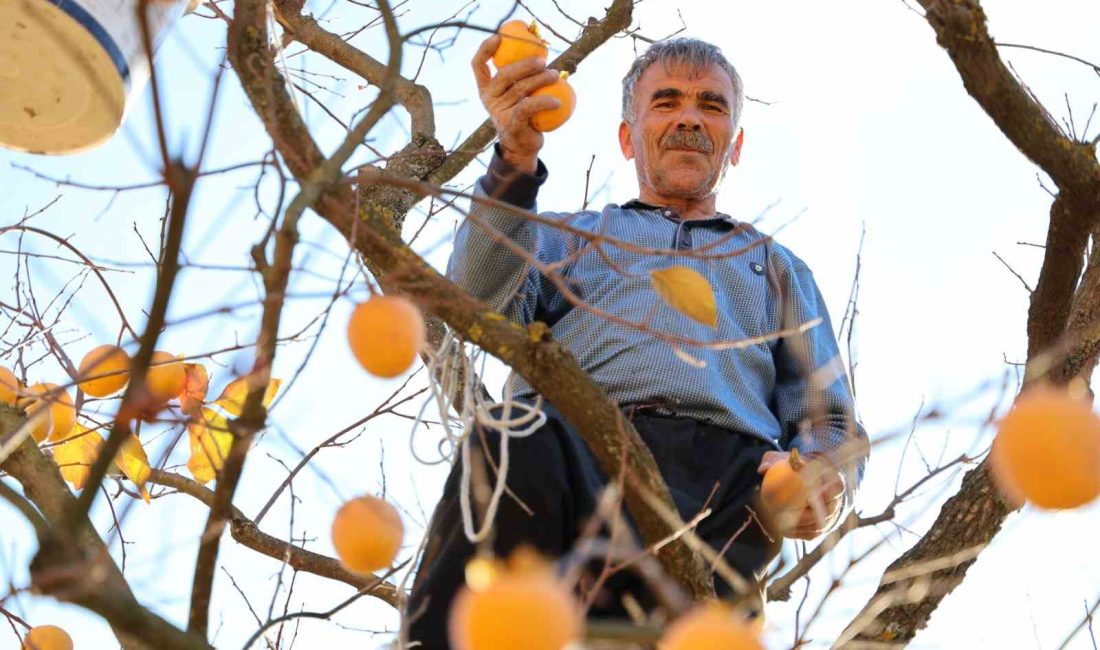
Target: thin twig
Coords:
[[1018, 276], [326, 614], [1086, 621]]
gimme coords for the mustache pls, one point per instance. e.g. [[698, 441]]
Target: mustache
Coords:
[[696, 140]]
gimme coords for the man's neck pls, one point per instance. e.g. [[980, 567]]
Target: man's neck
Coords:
[[687, 208]]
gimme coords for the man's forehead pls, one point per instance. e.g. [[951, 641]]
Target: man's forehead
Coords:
[[675, 73]]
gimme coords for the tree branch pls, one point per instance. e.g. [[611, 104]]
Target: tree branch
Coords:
[[76, 567], [276, 279], [245, 532], [972, 517], [545, 364], [414, 97], [135, 399]]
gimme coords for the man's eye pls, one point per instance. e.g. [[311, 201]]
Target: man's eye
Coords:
[[663, 104]]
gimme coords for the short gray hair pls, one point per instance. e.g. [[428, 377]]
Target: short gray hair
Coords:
[[691, 51]]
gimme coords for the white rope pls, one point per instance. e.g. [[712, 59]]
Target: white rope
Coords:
[[445, 364], [533, 418], [441, 363]]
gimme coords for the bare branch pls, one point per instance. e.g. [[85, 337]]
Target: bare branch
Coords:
[[414, 97], [245, 532], [276, 279], [975, 514], [76, 566]]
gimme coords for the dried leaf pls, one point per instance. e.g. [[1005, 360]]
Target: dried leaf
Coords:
[[76, 453], [210, 441], [134, 463], [688, 292], [233, 397], [194, 390]]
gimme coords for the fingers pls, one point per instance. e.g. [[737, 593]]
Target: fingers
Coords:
[[807, 530], [826, 481], [815, 519], [480, 62], [511, 74], [531, 105], [526, 86], [803, 534]]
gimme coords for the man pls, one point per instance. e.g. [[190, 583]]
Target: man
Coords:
[[714, 427]]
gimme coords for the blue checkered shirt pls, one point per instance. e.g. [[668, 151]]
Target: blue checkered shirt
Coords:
[[792, 392]]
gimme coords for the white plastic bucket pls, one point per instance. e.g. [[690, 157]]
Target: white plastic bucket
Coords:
[[69, 68]]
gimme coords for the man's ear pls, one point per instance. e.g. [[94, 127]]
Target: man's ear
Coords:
[[625, 142], [735, 156]]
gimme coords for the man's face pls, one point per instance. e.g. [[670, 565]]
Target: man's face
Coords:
[[682, 136]]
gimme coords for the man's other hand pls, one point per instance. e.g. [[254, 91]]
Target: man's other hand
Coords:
[[507, 97], [826, 493]]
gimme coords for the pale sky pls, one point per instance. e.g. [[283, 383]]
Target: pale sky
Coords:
[[866, 125]]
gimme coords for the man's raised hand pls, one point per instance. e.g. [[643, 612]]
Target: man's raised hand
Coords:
[[507, 97]]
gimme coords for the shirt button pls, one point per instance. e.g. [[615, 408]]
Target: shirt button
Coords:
[[757, 268], [668, 213]]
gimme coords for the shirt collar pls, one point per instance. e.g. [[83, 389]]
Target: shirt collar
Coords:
[[638, 204]]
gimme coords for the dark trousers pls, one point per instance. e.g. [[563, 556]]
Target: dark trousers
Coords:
[[556, 475]]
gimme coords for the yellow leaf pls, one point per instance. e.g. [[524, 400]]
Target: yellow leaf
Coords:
[[210, 441], [76, 453], [194, 389], [688, 292], [134, 463], [233, 397]]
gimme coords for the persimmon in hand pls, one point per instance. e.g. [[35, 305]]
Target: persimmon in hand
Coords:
[[518, 41], [784, 490], [552, 118]]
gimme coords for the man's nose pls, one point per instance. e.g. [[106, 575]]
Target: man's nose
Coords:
[[689, 120], [689, 123]]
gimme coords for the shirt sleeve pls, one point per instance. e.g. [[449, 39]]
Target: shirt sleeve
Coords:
[[813, 398], [487, 268]]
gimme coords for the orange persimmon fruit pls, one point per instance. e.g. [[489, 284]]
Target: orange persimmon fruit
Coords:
[[552, 118], [711, 626], [785, 492], [385, 334], [367, 533], [9, 387], [47, 637], [519, 605], [518, 41], [1047, 450], [784, 487], [109, 360], [166, 377], [61, 409]]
